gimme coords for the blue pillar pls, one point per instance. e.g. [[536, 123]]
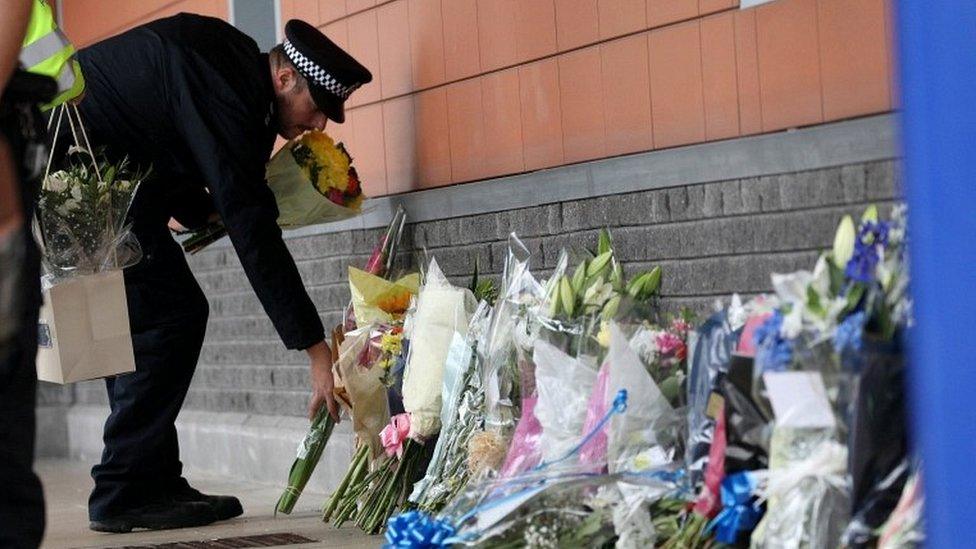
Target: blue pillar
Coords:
[[938, 85]]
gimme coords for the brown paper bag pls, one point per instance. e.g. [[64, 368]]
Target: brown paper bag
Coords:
[[83, 330]]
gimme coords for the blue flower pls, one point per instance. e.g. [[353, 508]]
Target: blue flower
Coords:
[[871, 239], [849, 333], [773, 352]]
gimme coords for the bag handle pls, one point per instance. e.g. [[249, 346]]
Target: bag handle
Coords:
[[72, 120], [71, 108]]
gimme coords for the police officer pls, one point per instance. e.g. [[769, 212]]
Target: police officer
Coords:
[[194, 98], [29, 36]]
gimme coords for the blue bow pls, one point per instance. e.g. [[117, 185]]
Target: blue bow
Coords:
[[738, 514], [417, 530]]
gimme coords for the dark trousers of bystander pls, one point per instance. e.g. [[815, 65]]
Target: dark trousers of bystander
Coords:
[[21, 498]]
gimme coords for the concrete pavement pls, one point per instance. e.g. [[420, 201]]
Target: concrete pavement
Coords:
[[67, 485]]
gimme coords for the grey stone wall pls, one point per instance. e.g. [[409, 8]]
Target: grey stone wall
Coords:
[[712, 239]]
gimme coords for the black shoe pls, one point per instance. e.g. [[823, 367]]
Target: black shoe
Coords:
[[223, 507], [157, 516]]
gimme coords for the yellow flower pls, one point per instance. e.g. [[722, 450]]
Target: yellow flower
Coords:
[[391, 343], [603, 337], [332, 164]]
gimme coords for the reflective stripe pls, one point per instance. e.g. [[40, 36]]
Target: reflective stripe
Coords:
[[66, 78], [43, 48]]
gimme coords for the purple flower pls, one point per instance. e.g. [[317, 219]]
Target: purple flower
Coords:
[[872, 238]]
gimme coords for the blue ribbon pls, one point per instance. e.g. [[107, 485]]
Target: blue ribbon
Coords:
[[739, 513], [415, 529]]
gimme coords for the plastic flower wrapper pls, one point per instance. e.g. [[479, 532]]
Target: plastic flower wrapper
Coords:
[[649, 435], [807, 498], [309, 450], [360, 381], [594, 453], [563, 387], [904, 528], [558, 503], [442, 310], [878, 441], [570, 509], [83, 210], [462, 412], [362, 373], [710, 351], [808, 491], [375, 299], [501, 376], [380, 262]]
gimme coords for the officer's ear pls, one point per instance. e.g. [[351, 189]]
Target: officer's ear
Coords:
[[286, 79]]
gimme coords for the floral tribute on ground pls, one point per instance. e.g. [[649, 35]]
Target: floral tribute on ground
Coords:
[[572, 411]]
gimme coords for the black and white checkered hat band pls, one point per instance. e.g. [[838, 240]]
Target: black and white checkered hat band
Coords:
[[317, 74]]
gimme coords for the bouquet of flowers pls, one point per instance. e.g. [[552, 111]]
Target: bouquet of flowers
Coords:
[[811, 363], [311, 448], [83, 213], [313, 181], [443, 313], [462, 412]]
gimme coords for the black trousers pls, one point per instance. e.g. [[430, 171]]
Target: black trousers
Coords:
[[168, 317], [21, 498]]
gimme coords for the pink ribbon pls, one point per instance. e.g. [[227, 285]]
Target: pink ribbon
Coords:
[[395, 434]]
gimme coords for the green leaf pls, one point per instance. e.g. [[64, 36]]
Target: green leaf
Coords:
[[109, 176], [854, 296], [474, 277], [605, 245], [844, 241], [813, 302]]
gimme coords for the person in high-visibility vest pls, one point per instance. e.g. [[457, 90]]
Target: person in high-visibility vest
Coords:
[[22, 146], [48, 52]]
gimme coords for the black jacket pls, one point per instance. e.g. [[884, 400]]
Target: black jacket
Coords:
[[193, 96]]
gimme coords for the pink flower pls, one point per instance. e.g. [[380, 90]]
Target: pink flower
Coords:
[[680, 326], [668, 343], [395, 434]]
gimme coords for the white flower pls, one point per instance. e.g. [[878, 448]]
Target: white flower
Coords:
[[56, 182], [644, 343], [76, 192], [597, 294]]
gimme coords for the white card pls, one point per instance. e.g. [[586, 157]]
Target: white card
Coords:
[[799, 399]]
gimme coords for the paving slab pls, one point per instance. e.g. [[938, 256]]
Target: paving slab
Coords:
[[67, 485]]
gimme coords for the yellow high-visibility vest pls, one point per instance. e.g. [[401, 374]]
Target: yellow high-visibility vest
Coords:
[[47, 51]]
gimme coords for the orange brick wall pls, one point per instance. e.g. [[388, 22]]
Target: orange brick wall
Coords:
[[472, 89]]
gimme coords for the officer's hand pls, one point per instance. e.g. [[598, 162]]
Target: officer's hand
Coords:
[[320, 365], [176, 226]]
